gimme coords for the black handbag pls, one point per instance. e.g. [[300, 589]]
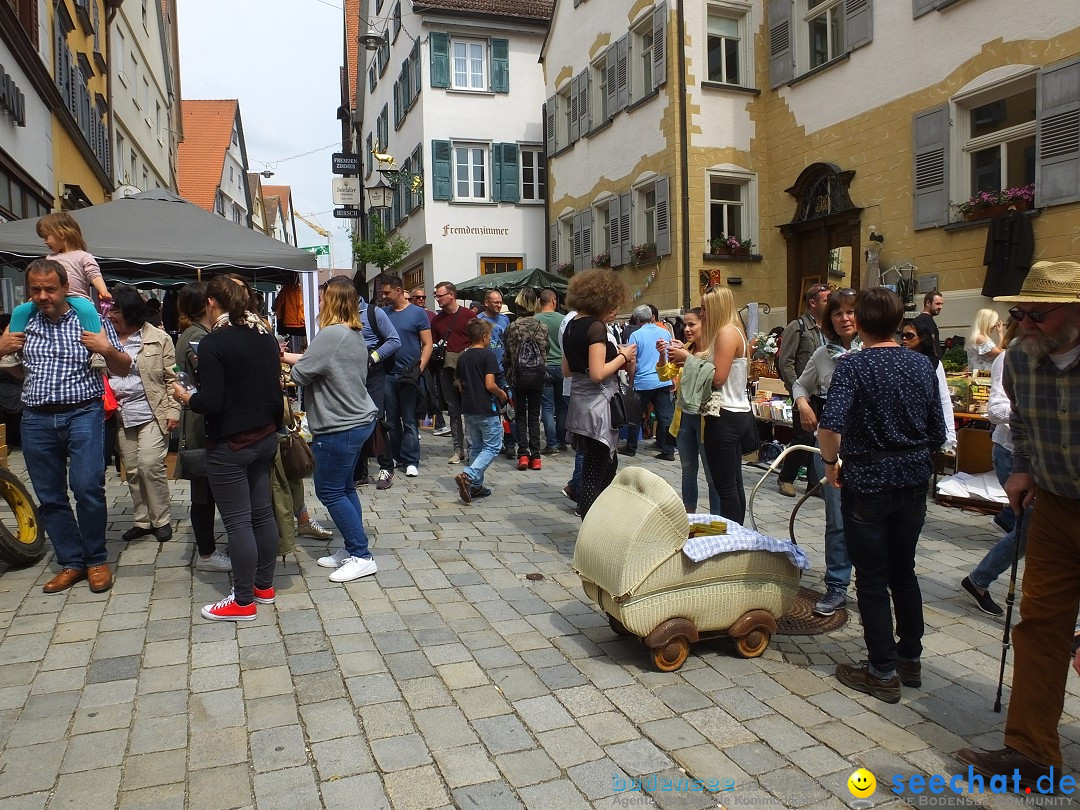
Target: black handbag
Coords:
[[625, 407], [190, 461], [750, 439]]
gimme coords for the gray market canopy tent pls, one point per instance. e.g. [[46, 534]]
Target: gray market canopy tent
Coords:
[[509, 284], [157, 233]]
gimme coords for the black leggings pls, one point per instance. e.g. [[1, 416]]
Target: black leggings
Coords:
[[527, 417], [597, 471], [723, 454]]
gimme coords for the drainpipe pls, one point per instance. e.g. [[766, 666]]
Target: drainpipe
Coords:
[[111, 7], [684, 157]]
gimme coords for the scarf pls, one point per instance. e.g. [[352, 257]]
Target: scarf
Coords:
[[251, 321], [836, 351]]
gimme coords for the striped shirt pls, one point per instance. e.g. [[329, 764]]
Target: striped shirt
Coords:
[[1045, 421], [57, 364]]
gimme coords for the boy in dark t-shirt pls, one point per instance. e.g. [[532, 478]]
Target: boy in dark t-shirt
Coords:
[[480, 398]]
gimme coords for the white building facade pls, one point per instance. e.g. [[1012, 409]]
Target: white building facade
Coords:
[[455, 97]]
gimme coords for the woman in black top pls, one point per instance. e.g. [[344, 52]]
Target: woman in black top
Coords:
[[239, 393], [593, 362]]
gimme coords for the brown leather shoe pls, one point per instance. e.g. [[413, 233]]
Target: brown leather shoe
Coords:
[[1005, 761], [64, 580], [100, 578], [910, 672], [859, 677]]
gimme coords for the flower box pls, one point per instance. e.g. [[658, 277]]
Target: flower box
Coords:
[[996, 210], [987, 204]]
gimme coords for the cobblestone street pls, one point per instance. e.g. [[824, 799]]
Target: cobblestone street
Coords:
[[450, 679]]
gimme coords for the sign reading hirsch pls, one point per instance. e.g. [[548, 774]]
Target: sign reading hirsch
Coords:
[[345, 163], [347, 213]]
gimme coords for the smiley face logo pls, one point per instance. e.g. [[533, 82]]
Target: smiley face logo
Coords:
[[862, 784]]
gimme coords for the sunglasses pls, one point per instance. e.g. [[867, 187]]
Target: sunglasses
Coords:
[[419, 298], [1035, 315], [908, 336]]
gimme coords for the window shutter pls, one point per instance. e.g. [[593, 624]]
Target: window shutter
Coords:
[[406, 87], [624, 226], [659, 44], [576, 238], [496, 171], [858, 22], [368, 158], [931, 128], [920, 7], [418, 167], [1057, 140], [508, 191], [500, 65], [549, 125], [575, 116], [584, 117], [611, 78], [418, 71], [614, 245], [441, 173], [397, 104], [586, 238], [622, 73], [553, 247], [781, 55], [439, 48], [663, 218]]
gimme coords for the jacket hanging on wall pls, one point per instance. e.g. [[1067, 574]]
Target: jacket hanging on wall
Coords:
[[1010, 244]]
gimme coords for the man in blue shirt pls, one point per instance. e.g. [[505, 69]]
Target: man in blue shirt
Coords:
[[402, 380], [62, 419], [650, 388]]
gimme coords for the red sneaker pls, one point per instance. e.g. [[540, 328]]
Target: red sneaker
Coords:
[[264, 596], [228, 611], [523, 462], [535, 464]]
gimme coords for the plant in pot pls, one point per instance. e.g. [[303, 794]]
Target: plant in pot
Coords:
[[565, 269], [644, 252], [986, 204], [602, 260], [730, 245]]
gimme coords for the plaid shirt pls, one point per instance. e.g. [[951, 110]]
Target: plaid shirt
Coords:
[[57, 364], [1045, 421]]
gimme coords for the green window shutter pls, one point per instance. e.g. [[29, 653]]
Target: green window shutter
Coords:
[[500, 65], [496, 171], [441, 171], [397, 104], [439, 46], [508, 182]]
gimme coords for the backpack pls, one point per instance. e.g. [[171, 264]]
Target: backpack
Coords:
[[530, 368]]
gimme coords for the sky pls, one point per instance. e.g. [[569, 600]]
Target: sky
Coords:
[[282, 60]]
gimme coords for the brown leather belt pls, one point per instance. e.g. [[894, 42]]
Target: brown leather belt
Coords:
[[64, 407]]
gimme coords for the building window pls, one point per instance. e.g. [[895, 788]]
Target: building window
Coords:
[[219, 204], [145, 18], [601, 230], [642, 54], [237, 214], [647, 220], [146, 96], [469, 64], [726, 207], [725, 46], [999, 144], [500, 265], [823, 21], [566, 240], [120, 149], [533, 174], [235, 138], [134, 77], [599, 89], [119, 58], [145, 180], [563, 114], [413, 277], [134, 166], [470, 172]]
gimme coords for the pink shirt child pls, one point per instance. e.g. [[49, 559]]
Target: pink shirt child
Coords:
[[82, 269]]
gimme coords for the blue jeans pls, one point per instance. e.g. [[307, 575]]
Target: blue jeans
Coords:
[[399, 400], [49, 439], [665, 410], [882, 531], [579, 464], [336, 455], [1002, 459], [999, 559], [553, 408], [691, 449], [837, 562], [485, 441]]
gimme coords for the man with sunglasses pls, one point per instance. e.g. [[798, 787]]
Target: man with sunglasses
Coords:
[[1042, 380], [801, 338]]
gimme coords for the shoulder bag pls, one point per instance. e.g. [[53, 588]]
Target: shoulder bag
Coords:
[[190, 461], [625, 406], [296, 456]]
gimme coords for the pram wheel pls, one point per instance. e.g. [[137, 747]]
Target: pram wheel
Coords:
[[617, 626], [672, 655], [753, 644], [751, 633]]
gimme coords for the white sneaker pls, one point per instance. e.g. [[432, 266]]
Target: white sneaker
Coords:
[[334, 560], [354, 568], [218, 561], [412, 471], [455, 457], [443, 431]]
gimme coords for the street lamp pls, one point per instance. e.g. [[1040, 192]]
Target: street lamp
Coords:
[[372, 40], [380, 195]]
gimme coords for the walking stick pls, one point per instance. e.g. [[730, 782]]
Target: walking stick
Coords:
[[1009, 599]]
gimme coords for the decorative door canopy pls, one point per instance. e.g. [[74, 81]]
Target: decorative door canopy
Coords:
[[821, 191]]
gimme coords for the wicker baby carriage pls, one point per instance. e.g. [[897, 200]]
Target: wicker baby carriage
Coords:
[[630, 560]]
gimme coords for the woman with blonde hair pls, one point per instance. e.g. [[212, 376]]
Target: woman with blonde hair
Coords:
[[342, 417], [727, 409], [592, 361], [983, 344]]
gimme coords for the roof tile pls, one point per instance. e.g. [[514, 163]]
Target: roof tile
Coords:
[[208, 126], [525, 9]]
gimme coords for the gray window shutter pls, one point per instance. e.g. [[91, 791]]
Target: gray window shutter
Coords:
[[611, 77], [575, 128], [781, 54], [584, 117], [441, 171], [624, 226], [553, 247], [439, 47], [368, 158], [931, 129], [663, 218], [920, 7], [576, 238], [1057, 140], [549, 126], [659, 44], [622, 71], [858, 22], [500, 65], [508, 182], [418, 69], [586, 238], [614, 245]]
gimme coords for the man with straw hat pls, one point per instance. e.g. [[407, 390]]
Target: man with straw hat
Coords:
[[1042, 380]]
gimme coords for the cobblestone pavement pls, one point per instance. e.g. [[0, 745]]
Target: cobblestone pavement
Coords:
[[450, 679]]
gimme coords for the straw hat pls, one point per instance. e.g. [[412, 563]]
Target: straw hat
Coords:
[[1048, 283]]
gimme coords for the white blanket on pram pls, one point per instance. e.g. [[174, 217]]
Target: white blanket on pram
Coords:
[[738, 538], [984, 487]]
